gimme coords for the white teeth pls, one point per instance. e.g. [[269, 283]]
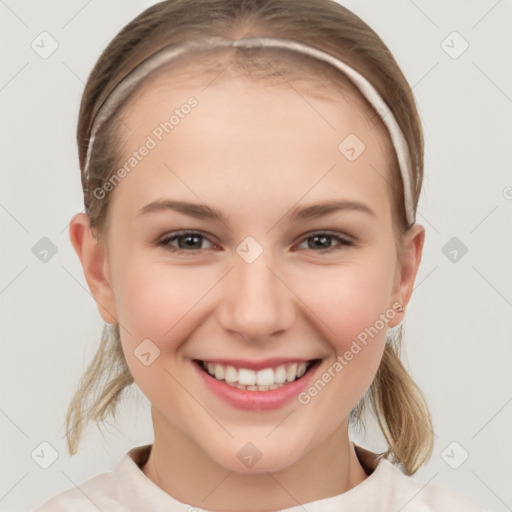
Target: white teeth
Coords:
[[265, 377], [301, 369], [231, 374], [261, 380], [280, 375], [219, 372], [246, 377], [291, 374], [254, 388]]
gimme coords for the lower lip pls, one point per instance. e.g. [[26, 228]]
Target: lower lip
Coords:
[[256, 400]]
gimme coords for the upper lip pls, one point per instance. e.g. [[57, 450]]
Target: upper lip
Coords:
[[257, 365]]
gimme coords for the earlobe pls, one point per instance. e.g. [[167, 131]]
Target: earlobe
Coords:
[[95, 265], [413, 251]]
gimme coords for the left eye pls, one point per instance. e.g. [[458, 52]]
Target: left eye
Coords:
[[322, 241]]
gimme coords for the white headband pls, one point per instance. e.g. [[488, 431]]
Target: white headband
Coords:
[[168, 53]]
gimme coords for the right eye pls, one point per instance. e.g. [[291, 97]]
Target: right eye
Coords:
[[186, 241]]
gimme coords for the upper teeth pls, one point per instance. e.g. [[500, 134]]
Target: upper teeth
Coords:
[[264, 377]]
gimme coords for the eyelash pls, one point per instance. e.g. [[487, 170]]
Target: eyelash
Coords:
[[165, 241]]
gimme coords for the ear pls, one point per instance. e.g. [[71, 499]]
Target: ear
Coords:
[[94, 261], [406, 275]]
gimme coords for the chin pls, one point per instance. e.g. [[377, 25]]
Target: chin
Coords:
[[256, 456]]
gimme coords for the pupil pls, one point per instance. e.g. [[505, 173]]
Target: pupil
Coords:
[[190, 241], [323, 241]]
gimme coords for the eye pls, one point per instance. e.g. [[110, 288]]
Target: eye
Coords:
[[186, 241], [192, 241], [322, 241]]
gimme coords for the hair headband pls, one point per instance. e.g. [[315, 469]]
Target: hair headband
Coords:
[[168, 53]]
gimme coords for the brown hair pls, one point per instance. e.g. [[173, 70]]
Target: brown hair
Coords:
[[394, 398]]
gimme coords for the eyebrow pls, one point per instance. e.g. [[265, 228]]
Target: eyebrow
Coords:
[[328, 207], [201, 211]]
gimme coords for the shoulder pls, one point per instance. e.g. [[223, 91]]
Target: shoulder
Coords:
[[98, 493], [389, 488], [415, 495], [120, 490]]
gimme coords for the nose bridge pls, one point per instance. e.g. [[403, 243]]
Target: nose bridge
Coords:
[[256, 303]]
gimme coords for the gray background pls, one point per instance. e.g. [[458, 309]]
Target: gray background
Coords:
[[458, 326]]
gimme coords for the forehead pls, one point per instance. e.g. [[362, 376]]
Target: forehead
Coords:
[[260, 66], [309, 88], [249, 139], [242, 143]]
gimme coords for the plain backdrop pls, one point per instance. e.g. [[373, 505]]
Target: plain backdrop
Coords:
[[458, 324]]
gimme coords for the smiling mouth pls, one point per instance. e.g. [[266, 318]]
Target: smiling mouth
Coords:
[[265, 379]]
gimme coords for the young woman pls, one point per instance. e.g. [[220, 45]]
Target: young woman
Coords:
[[251, 171]]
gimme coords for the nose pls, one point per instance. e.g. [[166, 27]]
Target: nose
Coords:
[[256, 301]]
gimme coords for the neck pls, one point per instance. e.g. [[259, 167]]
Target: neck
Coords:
[[186, 472]]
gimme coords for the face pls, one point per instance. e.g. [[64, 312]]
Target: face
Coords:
[[274, 282]]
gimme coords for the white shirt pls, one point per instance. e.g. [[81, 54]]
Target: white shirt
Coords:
[[128, 489]]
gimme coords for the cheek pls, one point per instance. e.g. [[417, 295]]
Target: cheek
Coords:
[[154, 300], [159, 307], [349, 301], [351, 309]]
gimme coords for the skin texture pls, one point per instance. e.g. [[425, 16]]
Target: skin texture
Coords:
[[253, 153]]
